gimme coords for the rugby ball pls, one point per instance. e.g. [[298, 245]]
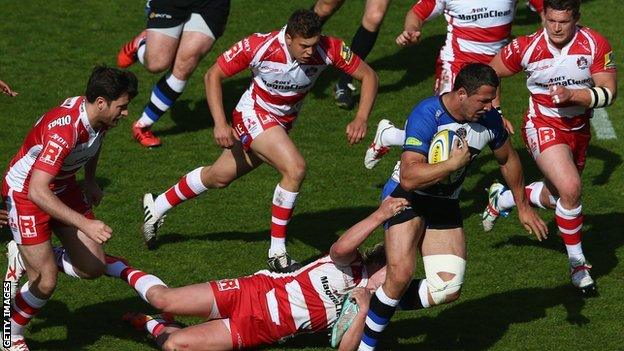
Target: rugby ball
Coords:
[[441, 146], [440, 150]]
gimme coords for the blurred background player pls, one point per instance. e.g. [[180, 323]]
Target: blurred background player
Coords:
[[570, 72], [433, 192], [265, 308], [285, 65], [42, 195], [362, 43], [477, 30], [179, 34]]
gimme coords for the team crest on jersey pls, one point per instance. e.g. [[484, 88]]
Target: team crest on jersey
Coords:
[[51, 153], [310, 71], [346, 53], [609, 61], [227, 284], [461, 132], [581, 62]]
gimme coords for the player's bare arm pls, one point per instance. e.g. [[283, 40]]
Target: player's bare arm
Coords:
[[344, 250], [352, 336], [356, 130], [416, 173], [510, 167], [39, 192], [214, 95], [411, 30], [91, 188], [601, 95]]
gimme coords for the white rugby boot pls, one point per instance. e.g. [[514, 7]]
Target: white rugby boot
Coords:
[[377, 150], [492, 211], [15, 267], [151, 222]]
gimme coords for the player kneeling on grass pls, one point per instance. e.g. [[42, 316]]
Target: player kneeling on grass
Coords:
[[42, 196], [433, 190], [266, 307]]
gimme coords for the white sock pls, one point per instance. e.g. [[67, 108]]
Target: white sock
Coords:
[[141, 52], [176, 84], [144, 121], [393, 137], [278, 246], [506, 200]]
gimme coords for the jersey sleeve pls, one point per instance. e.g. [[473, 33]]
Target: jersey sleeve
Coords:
[[537, 5], [497, 128], [341, 55], [239, 56], [420, 128], [511, 54], [57, 143], [603, 57], [427, 9]]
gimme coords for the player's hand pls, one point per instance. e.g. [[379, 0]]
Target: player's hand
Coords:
[[362, 298], [93, 192], [223, 136], [97, 230], [356, 130], [4, 218], [391, 207], [460, 154], [532, 222], [559, 94], [6, 89], [408, 37], [508, 126]]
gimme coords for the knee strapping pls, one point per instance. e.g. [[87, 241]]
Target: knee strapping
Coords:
[[439, 288]]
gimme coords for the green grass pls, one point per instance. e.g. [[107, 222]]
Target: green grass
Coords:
[[516, 295]]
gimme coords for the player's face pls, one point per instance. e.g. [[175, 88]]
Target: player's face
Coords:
[[115, 110], [302, 49], [560, 26], [476, 105]]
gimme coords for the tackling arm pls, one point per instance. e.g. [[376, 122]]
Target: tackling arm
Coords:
[[411, 29], [344, 250], [601, 95]]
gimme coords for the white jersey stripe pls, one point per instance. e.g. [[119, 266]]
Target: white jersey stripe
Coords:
[[486, 48], [300, 314], [272, 305]]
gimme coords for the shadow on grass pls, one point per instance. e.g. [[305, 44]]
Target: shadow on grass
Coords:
[[191, 115], [316, 229], [88, 324]]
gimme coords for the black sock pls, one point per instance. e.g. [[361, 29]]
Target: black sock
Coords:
[[362, 44]]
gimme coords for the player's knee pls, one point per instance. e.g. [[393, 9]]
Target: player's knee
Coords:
[[185, 65], [43, 287], [445, 276], [372, 19], [160, 301], [296, 171], [92, 271], [399, 275], [570, 194], [156, 65]]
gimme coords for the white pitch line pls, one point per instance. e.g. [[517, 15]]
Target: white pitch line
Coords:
[[602, 124]]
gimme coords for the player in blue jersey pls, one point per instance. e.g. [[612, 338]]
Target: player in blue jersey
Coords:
[[433, 223]]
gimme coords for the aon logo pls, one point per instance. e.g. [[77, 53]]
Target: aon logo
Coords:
[[62, 121]]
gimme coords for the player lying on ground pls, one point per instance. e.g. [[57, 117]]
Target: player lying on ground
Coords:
[[265, 307]]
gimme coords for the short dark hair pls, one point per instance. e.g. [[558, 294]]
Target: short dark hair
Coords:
[[303, 23], [375, 255], [475, 75], [564, 5], [110, 83]]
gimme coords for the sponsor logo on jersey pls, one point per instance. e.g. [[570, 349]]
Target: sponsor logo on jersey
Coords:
[[233, 51], [227, 284], [327, 290], [59, 139], [51, 153], [413, 141], [284, 85], [564, 81], [581, 62], [61, 121], [27, 226], [483, 13], [609, 61], [159, 15], [346, 53]]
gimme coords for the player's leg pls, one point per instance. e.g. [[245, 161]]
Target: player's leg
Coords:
[[41, 271], [80, 256], [232, 164], [362, 44], [326, 8], [403, 233], [275, 147], [196, 40]]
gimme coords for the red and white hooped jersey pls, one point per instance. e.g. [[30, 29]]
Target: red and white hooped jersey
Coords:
[[60, 143], [279, 81], [477, 29], [310, 299], [572, 66]]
